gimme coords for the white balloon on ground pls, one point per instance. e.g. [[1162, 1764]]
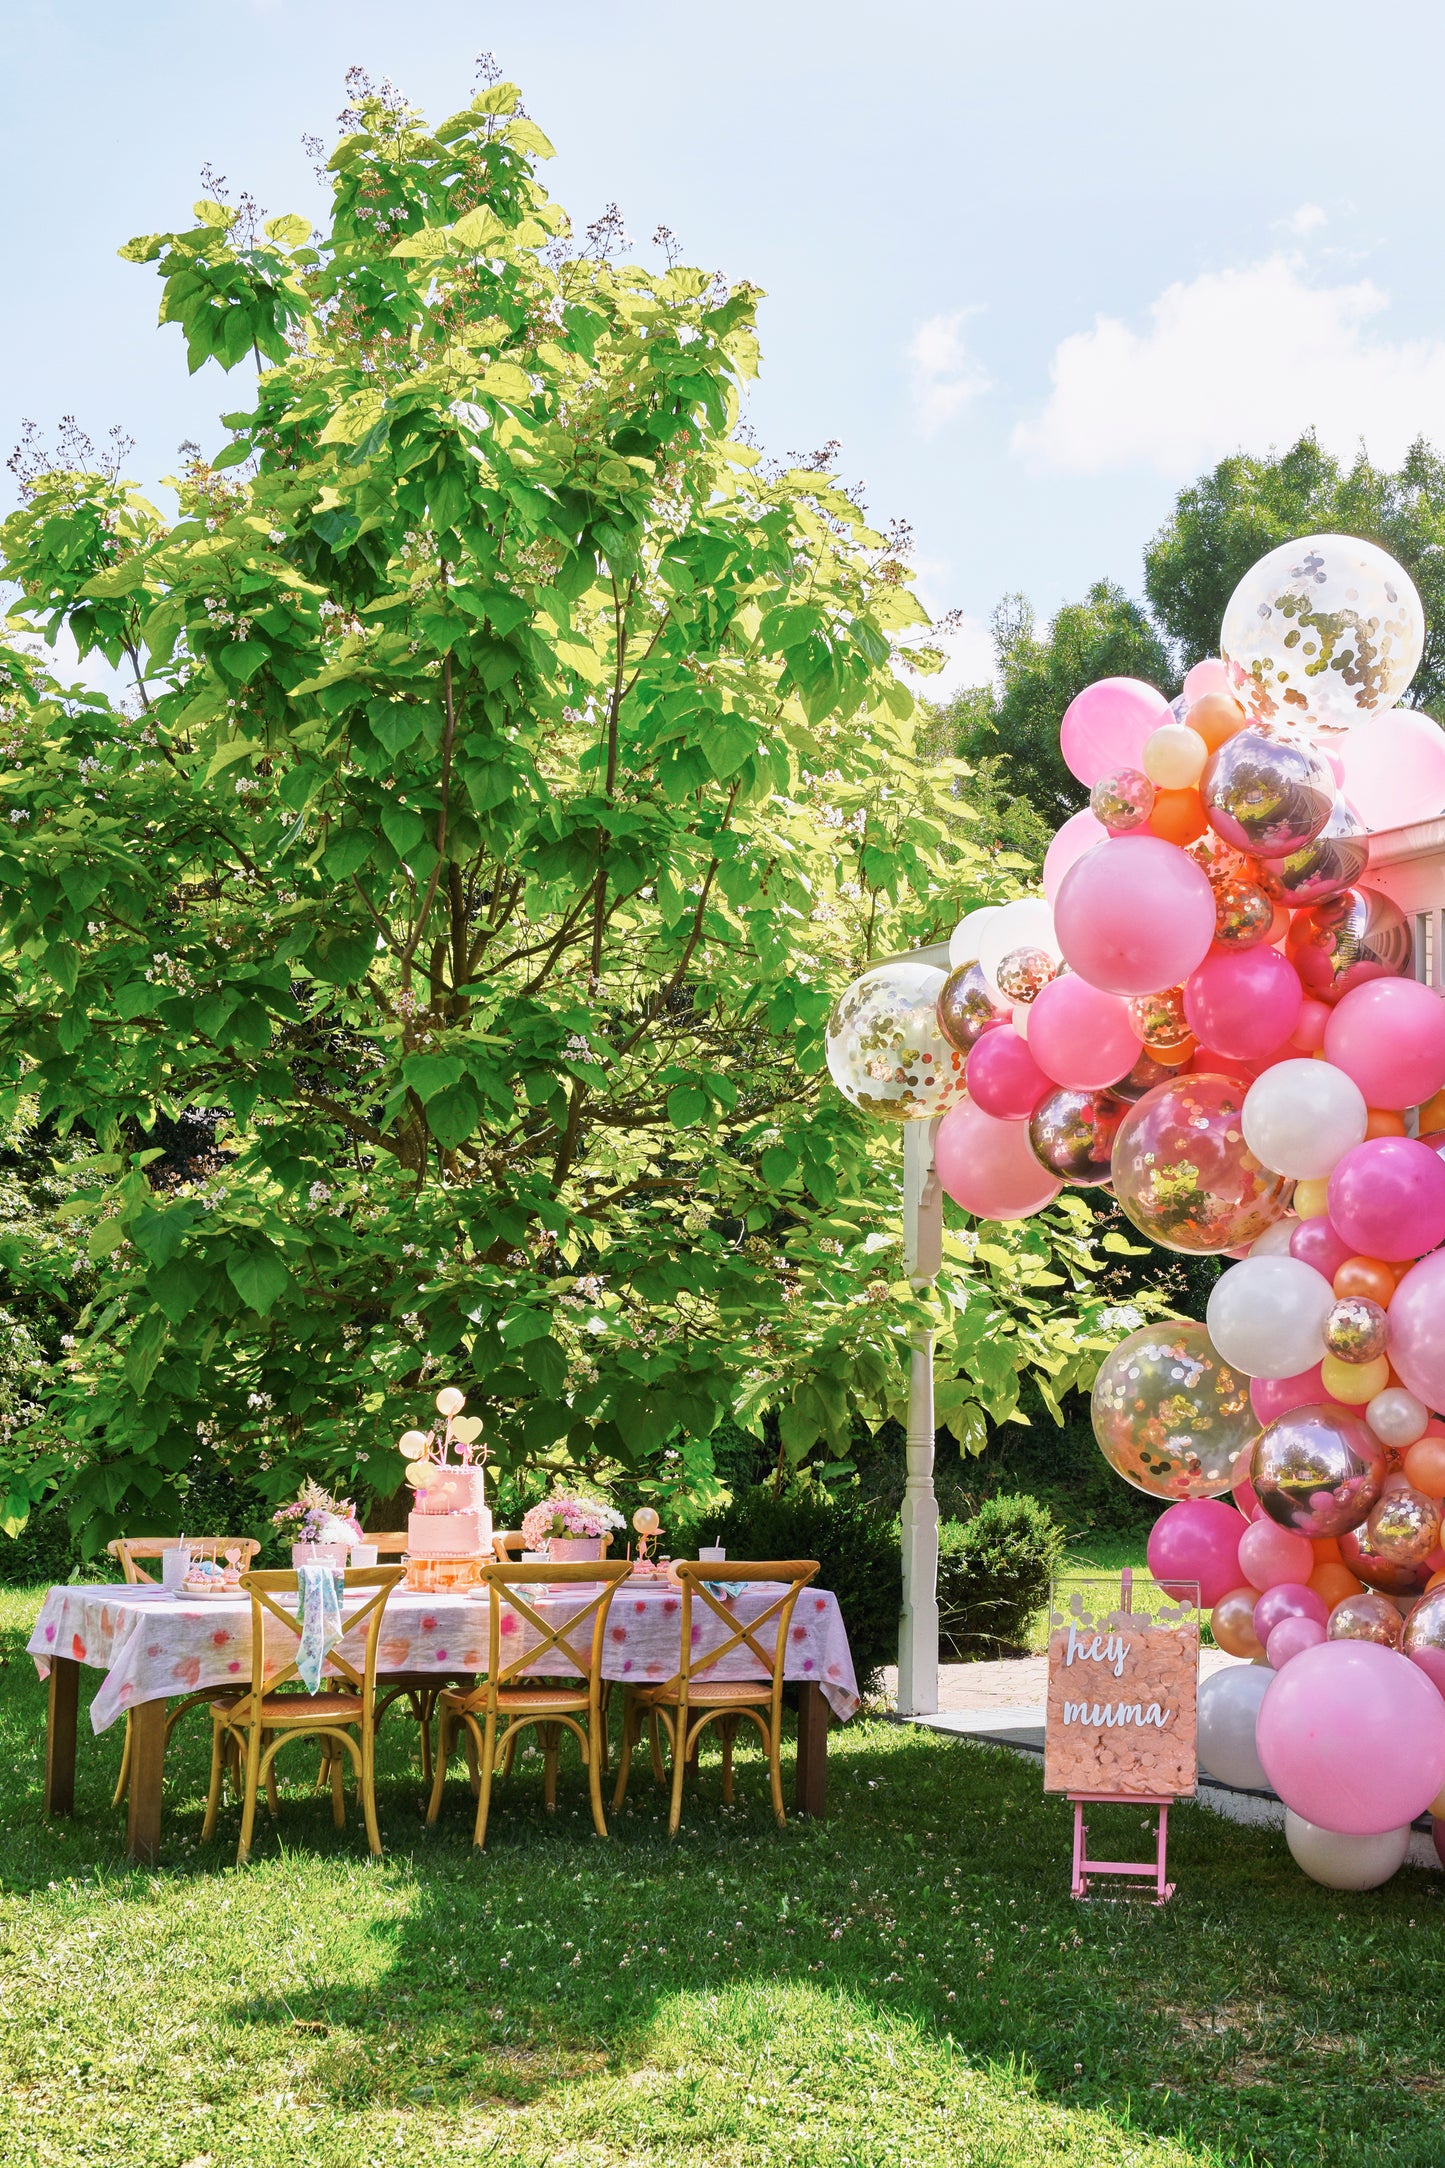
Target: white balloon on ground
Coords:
[[1344, 1862], [1266, 1316], [1396, 1417], [1300, 1117], [963, 941], [1274, 1242], [1228, 1709]]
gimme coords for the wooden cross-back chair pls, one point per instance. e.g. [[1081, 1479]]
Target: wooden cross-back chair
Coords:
[[262, 1719], [418, 1689], [128, 1551], [692, 1699], [525, 1690]]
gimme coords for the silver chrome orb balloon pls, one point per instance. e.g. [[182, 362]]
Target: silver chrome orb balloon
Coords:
[[1318, 1471], [966, 1008], [1366, 1617], [1072, 1134], [1404, 1527], [1325, 631], [1169, 1415], [1145, 1075], [1265, 796], [884, 1048], [1333, 862], [1356, 1330], [1388, 1575], [1348, 939]]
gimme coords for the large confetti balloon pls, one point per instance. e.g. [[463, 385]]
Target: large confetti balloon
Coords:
[[1317, 1471], [1349, 939], [1323, 632], [1265, 796], [885, 1050], [1333, 862], [1169, 1416], [1184, 1173], [1072, 1134], [966, 1009]]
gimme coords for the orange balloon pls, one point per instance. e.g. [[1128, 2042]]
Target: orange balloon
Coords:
[[1216, 717], [1279, 925], [1332, 1583], [1326, 1549], [1436, 1580], [1384, 1122], [1425, 1466], [1178, 816], [1232, 1621], [1432, 1115], [1362, 1276], [1311, 1198], [1172, 1057]]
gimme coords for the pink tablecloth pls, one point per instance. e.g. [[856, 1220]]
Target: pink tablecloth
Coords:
[[150, 1644]]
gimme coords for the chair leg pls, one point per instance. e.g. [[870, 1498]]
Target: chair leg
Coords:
[[775, 1770], [338, 1796], [550, 1734], [624, 1753], [728, 1730], [439, 1778], [509, 1751], [596, 1747], [474, 1776], [122, 1782], [679, 1766], [659, 1775], [273, 1801], [218, 1770], [604, 1729], [248, 1795], [422, 1706], [484, 1796], [367, 1788]]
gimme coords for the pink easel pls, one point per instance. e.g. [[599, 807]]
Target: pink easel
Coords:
[[1083, 1865]]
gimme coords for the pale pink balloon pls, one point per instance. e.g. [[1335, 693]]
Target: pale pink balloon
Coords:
[[1269, 1554], [1291, 1637], [988, 1166], [1105, 726], [1389, 1035], [1394, 770], [1245, 1002], [1309, 1031], [1079, 833], [1352, 1737], [1081, 1038], [1004, 1078], [1209, 676], [1417, 1343], [1134, 915]]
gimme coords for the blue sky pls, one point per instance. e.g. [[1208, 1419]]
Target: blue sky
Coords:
[[1035, 265]]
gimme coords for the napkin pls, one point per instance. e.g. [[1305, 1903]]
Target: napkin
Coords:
[[321, 1625]]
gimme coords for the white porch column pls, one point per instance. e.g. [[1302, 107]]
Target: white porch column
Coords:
[[922, 1256]]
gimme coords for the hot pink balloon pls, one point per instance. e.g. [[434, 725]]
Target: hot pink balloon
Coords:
[[1209, 676], [1105, 727], [1287, 1599], [1081, 1038], [1134, 915], [1389, 1035], [988, 1166], [1417, 1344], [1197, 1540], [1352, 1737], [1308, 1035], [1270, 1397], [1386, 1198], [1004, 1078], [1269, 1554], [1079, 833], [1245, 1002], [1315, 1242], [1290, 1638], [1394, 771], [1242, 1491]]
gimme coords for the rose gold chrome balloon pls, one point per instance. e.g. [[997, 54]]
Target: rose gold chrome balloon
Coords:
[[1072, 1134], [1376, 1571], [1146, 1074], [1243, 914], [1024, 972], [1318, 1471], [1366, 1617], [966, 1008], [1404, 1527], [1334, 861], [1424, 1637], [1266, 797], [1159, 1018], [1349, 939], [1357, 1329]]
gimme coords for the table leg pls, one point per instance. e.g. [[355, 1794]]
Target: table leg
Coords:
[[147, 1768], [64, 1700], [811, 1792]]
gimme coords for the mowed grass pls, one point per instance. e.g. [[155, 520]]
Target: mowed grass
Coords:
[[907, 1982]]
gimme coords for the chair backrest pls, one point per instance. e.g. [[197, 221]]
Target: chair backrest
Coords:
[[389, 1542], [264, 1589], [693, 1576], [129, 1550], [575, 1636]]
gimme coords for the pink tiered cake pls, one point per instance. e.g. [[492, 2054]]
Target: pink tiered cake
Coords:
[[452, 1519]]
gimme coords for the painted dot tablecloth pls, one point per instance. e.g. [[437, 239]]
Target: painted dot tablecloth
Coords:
[[151, 1644]]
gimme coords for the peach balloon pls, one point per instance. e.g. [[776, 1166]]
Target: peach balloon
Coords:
[[1232, 1624], [1310, 1198], [1333, 1582], [1383, 1122], [1367, 1276], [1174, 757], [1425, 1466], [1309, 1032], [1178, 816], [1216, 717]]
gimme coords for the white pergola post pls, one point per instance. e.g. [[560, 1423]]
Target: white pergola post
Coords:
[[922, 1258]]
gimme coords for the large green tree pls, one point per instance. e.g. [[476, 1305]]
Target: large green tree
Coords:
[[517, 766]]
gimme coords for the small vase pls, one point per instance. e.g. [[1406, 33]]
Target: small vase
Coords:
[[572, 1550]]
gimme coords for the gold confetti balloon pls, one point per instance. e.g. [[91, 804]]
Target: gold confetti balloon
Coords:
[[1184, 1174], [1347, 940], [1024, 972], [1334, 861], [1356, 1329], [966, 1008], [1404, 1527], [1243, 914], [1366, 1617], [884, 1047], [1122, 800], [1169, 1414], [1072, 1134], [1159, 1018], [1218, 862], [1323, 633], [1317, 1470], [1265, 796]]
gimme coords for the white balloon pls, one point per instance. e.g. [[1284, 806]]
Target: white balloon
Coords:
[[1267, 1315], [963, 941], [1397, 1418], [1026, 923], [1274, 1242], [1302, 1116], [1228, 1710], [1342, 1862]]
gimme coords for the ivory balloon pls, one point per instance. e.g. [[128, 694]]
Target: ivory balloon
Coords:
[[963, 941], [1397, 1418], [1229, 1706], [1267, 1316], [1337, 1861], [1301, 1116]]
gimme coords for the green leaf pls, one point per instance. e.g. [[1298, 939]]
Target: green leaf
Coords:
[[289, 230], [686, 1104], [453, 1114], [259, 1277], [178, 1287], [545, 1364]]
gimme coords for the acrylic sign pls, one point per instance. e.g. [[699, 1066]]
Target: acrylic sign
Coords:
[[1122, 1700]]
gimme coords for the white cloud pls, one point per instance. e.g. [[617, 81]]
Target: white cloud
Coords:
[[1236, 360], [1307, 219], [946, 375]]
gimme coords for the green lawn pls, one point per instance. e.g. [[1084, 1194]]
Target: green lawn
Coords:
[[906, 1983]]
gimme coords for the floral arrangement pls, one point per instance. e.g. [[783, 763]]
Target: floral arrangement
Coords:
[[566, 1516], [314, 1516]]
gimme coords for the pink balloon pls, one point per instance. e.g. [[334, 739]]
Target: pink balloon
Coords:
[[1269, 1554], [1417, 1344], [1242, 1491], [1315, 1242], [1309, 1031], [1197, 1540], [1287, 1599], [1270, 1397], [1081, 1038], [1245, 1002], [1352, 1737], [1394, 768], [1386, 1198], [1134, 915], [1079, 833], [988, 1166], [1389, 1035], [1209, 676], [1291, 1637], [1004, 1078], [1105, 727]]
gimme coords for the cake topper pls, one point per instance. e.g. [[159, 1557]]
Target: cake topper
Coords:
[[429, 1451]]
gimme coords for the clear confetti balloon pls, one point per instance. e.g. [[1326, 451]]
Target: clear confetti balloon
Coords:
[[884, 1047], [1265, 796], [1356, 1329], [1218, 861], [1317, 1471], [1346, 940], [1159, 1018], [1184, 1174], [1023, 973], [1243, 914], [1169, 1416], [1122, 800], [1323, 633], [1332, 863], [1404, 1527], [1072, 1134], [1366, 1617], [966, 1008]]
